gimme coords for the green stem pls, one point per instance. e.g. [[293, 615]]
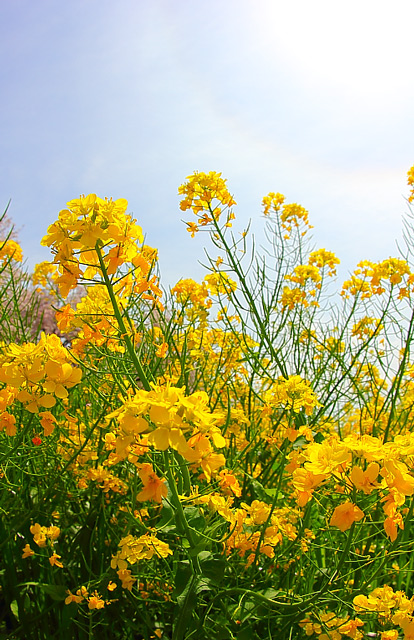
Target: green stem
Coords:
[[183, 527], [262, 329], [175, 499], [125, 335]]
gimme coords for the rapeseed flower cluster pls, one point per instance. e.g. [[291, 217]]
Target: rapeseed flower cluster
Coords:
[[37, 375], [410, 181], [292, 216], [133, 550], [293, 394], [366, 327], [200, 192], [94, 600], [256, 528], [308, 279], [329, 626], [194, 299], [392, 608], [370, 278], [92, 319], [359, 463], [89, 222], [95, 238], [42, 534], [170, 419], [10, 250]]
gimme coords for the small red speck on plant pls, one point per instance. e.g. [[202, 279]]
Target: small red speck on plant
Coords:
[[36, 441]]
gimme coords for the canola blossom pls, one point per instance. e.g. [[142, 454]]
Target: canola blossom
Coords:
[[233, 458]]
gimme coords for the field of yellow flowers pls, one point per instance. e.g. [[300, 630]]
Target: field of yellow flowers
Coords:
[[229, 460]]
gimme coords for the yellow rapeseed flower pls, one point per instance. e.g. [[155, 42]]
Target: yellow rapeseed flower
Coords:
[[345, 515]]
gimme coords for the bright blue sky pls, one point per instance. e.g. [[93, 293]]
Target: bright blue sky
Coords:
[[126, 98]]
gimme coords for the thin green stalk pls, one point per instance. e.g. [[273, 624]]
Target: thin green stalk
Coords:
[[131, 349], [181, 519], [235, 265]]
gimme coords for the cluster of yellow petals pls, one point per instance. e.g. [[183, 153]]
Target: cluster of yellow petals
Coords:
[[188, 290], [392, 608], [167, 415], [134, 549], [200, 191], [80, 595], [363, 463], [93, 318], [94, 600], [40, 373], [106, 480], [366, 327], [229, 484], [10, 250], [292, 393], [291, 215], [370, 278], [154, 488], [27, 551], [42, 534], [90, 224], [292, 296], [90, 220], [308, 279], [44, 273], [220, 282], [8, 423], [345, 515], [304, 273], [273, 201], [330, 626], [322, 258], [302, 276], [75, 444], [247, 536], [410, 175], [194, 299]]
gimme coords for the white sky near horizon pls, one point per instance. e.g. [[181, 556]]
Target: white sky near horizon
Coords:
[[127, 98]]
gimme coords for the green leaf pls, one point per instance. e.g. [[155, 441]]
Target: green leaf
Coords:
[[202, 584], [300, 443], [199, 548], [69, 611], [55, 591], [15, 609], [269, 593], [264, 494], [213, 566], [166, 523], [188, 596], [183, 576], [274, 492], [194, 518]]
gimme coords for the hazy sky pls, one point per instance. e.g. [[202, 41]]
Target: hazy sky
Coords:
[[126, 98]]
